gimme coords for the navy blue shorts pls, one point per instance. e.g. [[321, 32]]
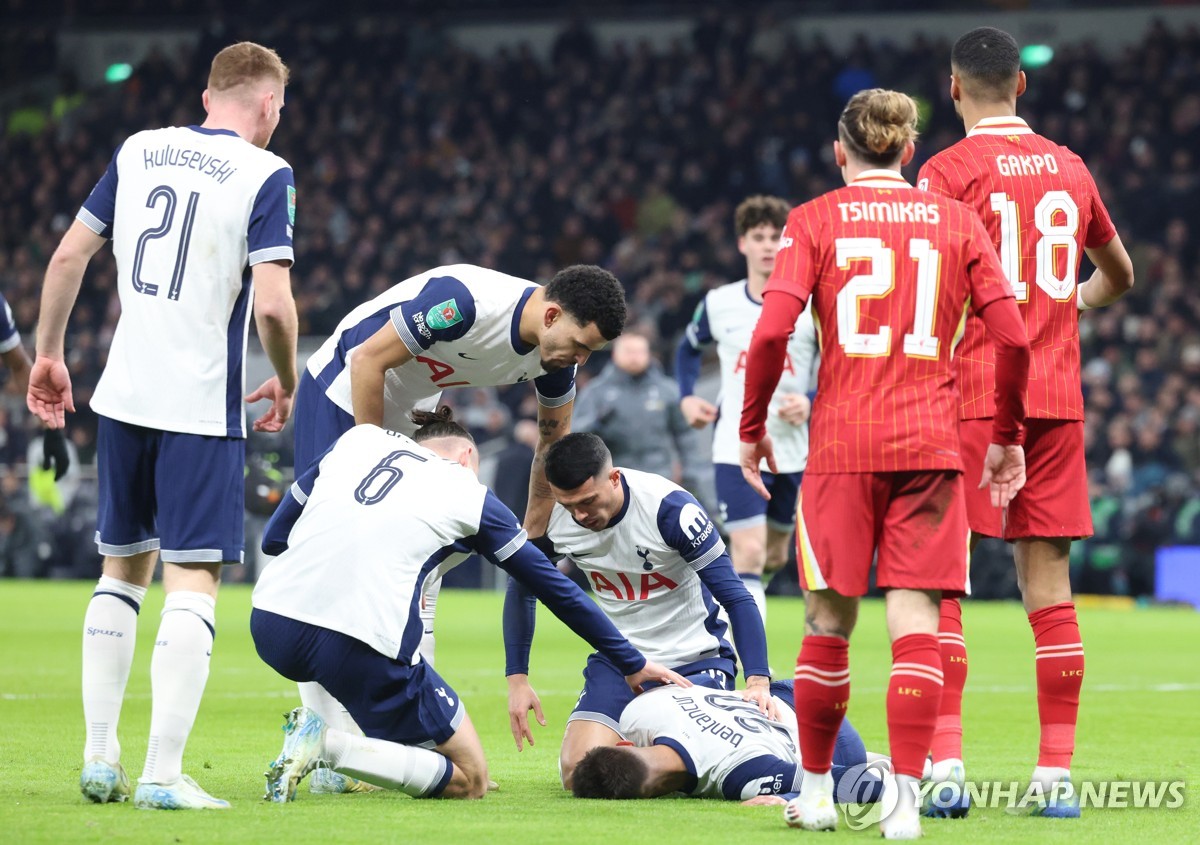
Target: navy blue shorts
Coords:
[[742, 508], [181, 493], [605, 692], [317, 422], [411, 705]]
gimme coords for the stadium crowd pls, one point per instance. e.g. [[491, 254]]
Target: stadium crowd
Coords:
[[410, 152]]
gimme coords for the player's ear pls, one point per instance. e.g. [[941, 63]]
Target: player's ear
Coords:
[[614, 478], [204, 100], [956, 87], [742, 244], [1020, 82], [839, 154], [910, 150], [551, 314]]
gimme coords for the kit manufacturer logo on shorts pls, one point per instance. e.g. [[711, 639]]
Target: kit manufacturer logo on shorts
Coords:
[[443, 316]]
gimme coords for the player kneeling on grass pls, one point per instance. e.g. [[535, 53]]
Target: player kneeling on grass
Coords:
[[357, 536], [712, 744], [658, 569]]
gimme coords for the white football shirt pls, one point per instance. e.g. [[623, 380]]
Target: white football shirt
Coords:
[[651, 590], [391, 515], [461, 323], [727, 316], [719, 736], [189, 211]]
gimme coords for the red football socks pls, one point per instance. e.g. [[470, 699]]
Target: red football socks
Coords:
[[947, 736], [1059, 660], [822, 688], [913, 697]]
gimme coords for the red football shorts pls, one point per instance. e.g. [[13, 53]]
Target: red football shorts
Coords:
[[1054, 501], [916, 520]]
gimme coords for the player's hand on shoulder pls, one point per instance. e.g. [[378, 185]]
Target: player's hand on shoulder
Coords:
[[281, 405], [697, 411], [655, 672], [753, 454], [49, 395], [1003, 473], [758, 692], [795, 408], [522, 699]]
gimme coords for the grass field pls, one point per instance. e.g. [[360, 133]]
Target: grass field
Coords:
[[1141, 721]]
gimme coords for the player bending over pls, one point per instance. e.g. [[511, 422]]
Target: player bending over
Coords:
[[357, 534], [453, 326], [891, 272], [656, 564]]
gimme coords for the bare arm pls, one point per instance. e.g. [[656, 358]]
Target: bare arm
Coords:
[[275, 317], [49, 395], [553, 424], [61, 286], [381, 352], [1112, 279]]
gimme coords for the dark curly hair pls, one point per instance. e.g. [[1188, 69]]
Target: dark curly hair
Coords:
[[590, 294], [439, 423], [610, 772]]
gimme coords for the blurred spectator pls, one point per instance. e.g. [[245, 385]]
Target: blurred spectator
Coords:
[[634, 407], [418, 152]]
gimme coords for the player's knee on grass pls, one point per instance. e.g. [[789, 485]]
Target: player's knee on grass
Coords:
[[465, 752], [468, 781]]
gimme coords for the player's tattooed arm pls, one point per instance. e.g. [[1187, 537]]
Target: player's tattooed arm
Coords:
[[553, 424]]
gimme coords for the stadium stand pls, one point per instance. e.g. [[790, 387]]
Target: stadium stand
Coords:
[[411, 152]]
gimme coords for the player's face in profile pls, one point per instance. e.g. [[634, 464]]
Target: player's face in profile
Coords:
[[760, 246], [594, 503], [566, 342]]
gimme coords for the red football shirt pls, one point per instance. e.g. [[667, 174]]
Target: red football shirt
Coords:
[[1041, 207], [892, 272]]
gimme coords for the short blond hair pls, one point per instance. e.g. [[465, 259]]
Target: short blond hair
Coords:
[[243, 63], [877, 123]]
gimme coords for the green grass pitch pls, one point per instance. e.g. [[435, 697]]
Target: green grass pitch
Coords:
[[1140, 721]]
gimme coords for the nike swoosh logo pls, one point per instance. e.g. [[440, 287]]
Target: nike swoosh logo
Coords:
[[466, 356]]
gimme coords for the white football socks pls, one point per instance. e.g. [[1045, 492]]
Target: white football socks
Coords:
[[109, 637], [413, 771], [178, 673], [317, 698]]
